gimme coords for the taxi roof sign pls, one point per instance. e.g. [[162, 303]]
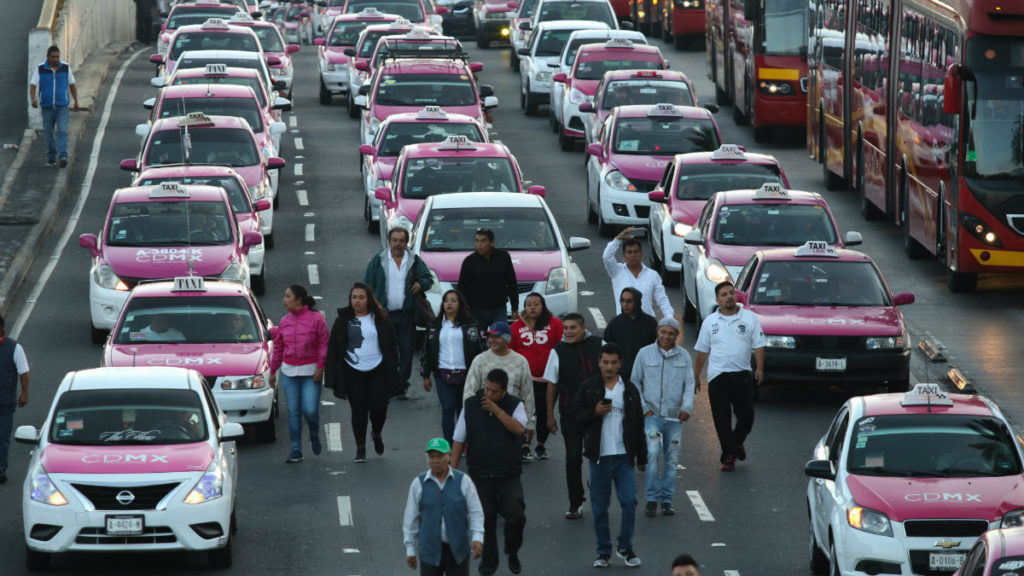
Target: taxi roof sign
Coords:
[[664, 110], [817, 248], [169, 190], [728, 152], [215, 70], [215, 24], [401, 22], [926, 394], [195, 119], [418, 32], [240, 17], [771, 191], [646, 74], [431, 113], [456, 142], [618, 43], [370, 11], [189, 284]]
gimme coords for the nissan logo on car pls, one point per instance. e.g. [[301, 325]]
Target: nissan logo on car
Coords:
[[125, 497]]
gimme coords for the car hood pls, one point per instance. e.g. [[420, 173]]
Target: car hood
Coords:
[[733, 255], [687, 211], [588, 87], [251, 174], [135, 459], [641, 167], [530, 266], [211, 360], [384, 166], [168, 261], [829, 320], [336, 54], [911, 498]]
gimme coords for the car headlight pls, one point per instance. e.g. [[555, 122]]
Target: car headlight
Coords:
[[400, 222], [577, 97], [235, 272], [680, 229], [1013, 519], [715, 272], [435, 287], [374, 125], [618, 181], [43, 489], [543, 76], [361, 76], [787, 342], [687, 4], [258, 192], [209, 487], [331, 67], [243, 382], [868, 520], [558, 281], [279, 71], [886, 342], [106, 278]]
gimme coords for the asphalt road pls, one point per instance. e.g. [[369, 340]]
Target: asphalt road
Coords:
[[19, 18], [332, 516]]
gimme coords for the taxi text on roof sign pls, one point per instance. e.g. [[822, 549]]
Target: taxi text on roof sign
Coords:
[[216, 70], [664, 110], [771, 191], [370, 11], [169, 190], [401, 23], [240, 17], [189, 284], [432, 113], [619, 43], [817, 248], [215, 24], [646, 74], [728, 152], [926, 394], [195, 119], [456, 142]]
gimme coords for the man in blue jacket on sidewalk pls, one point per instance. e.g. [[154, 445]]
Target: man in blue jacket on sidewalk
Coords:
[[52, 83]]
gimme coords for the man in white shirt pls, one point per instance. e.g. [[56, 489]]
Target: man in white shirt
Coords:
[[13, 371], [726, 341], [633, 273], [159, 330]]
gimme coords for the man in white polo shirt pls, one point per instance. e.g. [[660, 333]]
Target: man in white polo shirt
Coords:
[[726, 341], [633, 273]]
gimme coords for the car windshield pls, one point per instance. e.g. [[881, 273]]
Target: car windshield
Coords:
[[425, 90], [595, 69], [186, 17], [252, 63], [932, 445], [372, 37], [551, 42], [700, 181], [193, 320], [627, 92], [413, 49], [346, 33], [664, 136], [425, 177], [213, 41], [574, 45], [269, 37], [174, 223], [229, 146], [245, 108], [250, 81], [399, 134], [120, 417], [598, 11], [771, 224], [819, 283], [452, 229], [237, 193], [526, 8], [411, 10], [785, 28]]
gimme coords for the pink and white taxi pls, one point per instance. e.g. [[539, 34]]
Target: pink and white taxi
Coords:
[[684, 188], [629, 156], [359, 56], [158, 232], [130, 460], [343, 33], [271, 104], [214, 34], [420, 12], [217, 328], [456, 165], [904, 483], [630, 87], [399, 130], [828, 317], [736, 223], [996, 553], [191, 13], [273, 45], [522, 224]]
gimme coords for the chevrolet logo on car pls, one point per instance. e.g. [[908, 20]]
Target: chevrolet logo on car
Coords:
[[947, 544]]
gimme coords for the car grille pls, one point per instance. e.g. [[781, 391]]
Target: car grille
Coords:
[[105, 497], [525, 287], [644, 185], [830, 343], [150, 535], [576, 123], [945, 528]]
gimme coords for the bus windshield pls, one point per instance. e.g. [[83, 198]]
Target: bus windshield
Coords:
[[785, 28], [995, 136]]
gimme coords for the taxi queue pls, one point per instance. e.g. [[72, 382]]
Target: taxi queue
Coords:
[[915, 481]]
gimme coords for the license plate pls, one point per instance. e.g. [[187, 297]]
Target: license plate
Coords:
[[830, 364], [945, 561], [124, 525]]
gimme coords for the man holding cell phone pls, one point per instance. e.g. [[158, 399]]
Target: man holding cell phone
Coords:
[[633, 273]]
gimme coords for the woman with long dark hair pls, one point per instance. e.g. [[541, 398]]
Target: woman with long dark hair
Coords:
[[300, 353], [451, 343], [534, 334], [362, 365]]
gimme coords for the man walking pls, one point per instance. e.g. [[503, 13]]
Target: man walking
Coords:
[[726, 341], [632, 329], [634, 273], [664, 374], [488, 280], [572, 361], [53, 81], [396, 276], [512, 363], [13, 370], [491, 425], [444, 519], [610, 414]]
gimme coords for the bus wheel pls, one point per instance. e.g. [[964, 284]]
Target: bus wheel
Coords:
[[960, 282]]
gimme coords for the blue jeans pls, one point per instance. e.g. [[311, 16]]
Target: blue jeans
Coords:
[[56, 119], [303, 397], [663, 439], [6, 425], [602, 474], [450, 396]]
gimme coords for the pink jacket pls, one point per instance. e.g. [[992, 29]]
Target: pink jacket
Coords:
[[301, 338]]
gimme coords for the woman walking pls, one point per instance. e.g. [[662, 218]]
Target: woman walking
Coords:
[[534, 334], [300, 353], [362, 361], [452, 341]]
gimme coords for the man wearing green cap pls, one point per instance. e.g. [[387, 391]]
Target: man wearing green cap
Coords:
[[444, 519]]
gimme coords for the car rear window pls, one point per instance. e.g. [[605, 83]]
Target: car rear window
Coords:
[[200, 319], [700, 181], [818, 283], [773, 224], [128, 417], [172, 223]]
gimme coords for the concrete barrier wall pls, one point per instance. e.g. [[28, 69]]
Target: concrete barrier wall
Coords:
[[80, 27]]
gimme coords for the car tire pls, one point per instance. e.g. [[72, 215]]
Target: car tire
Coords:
[[833, 562], [565, 141], [258, 283], [522, 97], [514, 62], [817, 559], [268, 241], [591, 214], [353, 110], [667, 278], [98, 336], [36, 561], [698, 318], [220, 558], [325, 94], [552, 120], [530, 104], [604, 229], [721, 97], [689, 312], [267, 431], [371, 226], [277, 201]]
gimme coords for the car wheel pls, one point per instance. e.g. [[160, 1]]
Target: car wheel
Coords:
[[268, 241], [267, 431], [353, 110], [514, 62], [36, 561], [566, 142], [97, 335], [522, 97], [698, 318], [552, 120], [604, 229], [721, 97], [591, 214], [482, 41], [258, 283], [818, 560], [325, 94], [833, 562], [667, 278], [220, 559], [371, 226], [530, 103], [277, 201]]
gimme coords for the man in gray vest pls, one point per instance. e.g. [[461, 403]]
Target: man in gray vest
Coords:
[[444, 520], [13, 368]]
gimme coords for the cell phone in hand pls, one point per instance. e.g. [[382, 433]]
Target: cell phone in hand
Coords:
[[606, 401], [638, 233]]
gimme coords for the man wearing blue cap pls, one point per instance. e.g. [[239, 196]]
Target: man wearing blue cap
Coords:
[[444, 520]]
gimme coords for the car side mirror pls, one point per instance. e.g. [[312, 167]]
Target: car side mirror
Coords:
[[279, 85], [853, 239], [318, 41], [149, 103], [383, 193], [693, 238], [820, 469], [485, 90], [293, 48], [362, 65], [902, 299], [367, 150], [537, 191], [350, 52], [490, 102], [587, 107], [250, 239], [523, 51], [26, 435], [275, 163], [278, 128], [626, 25], [262, 205], [273, 61], [713, 108], [142, 130], [360, 101], [524, 26], [364, 89], [560, 78], [577, 243], [90, 243], [476, 67], [657, 196], [596, 149], [157, 82], [282, 104], [231, 431], [130, 165], [157, 59]]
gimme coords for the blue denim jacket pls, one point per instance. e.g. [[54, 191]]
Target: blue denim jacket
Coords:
[[665, 380]]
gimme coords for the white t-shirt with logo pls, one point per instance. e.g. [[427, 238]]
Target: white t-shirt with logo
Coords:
[[363, 352], [612, 443], [729, 341]]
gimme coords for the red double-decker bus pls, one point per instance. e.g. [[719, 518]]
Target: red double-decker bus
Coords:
[[922, 112], [757, 58]]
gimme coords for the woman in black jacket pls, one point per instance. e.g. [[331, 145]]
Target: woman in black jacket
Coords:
[[362, 364], [452, 341]]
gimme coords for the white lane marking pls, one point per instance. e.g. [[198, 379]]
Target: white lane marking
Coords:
[[599, 320], [345, 510], [72, 223], [579, 273], [731, 573], [314, 274], [698, 504], [298, 144], [334, 437], [303, 197], [293, 121], [298, 169], [310, 232], [308, 214], [718, 544], [350, 551]]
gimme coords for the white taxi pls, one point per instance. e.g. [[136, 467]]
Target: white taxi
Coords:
[[130, 460]]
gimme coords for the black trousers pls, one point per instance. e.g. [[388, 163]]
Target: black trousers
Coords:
[[732, 393], [540, 395], [405, 329], [448, 567], [573, 461], [486, 316], [367, 399], [500, 496]]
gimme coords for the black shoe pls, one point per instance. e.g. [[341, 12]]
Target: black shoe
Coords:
[[63, 162], [51, 162], [3, 477], [741, 452], [602, 560], [514, 565], [360, 453], [667, 509], [378, 443], [651, 510], [317, 447], [574, 513], [294, 458], [527, 455], [541, 452], [629, 557]]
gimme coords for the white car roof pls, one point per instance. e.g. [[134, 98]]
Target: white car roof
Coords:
[[627, 34], [573, 25], [128, 377], [487, 200], [237, 54]]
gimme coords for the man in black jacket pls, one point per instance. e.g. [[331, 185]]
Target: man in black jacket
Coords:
[[632, 329], [488, 280], [610, 413]]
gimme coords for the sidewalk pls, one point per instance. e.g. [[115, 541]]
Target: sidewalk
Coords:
[[33, 193]]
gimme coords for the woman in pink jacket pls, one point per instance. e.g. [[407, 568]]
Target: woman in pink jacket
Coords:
[[300, 352]]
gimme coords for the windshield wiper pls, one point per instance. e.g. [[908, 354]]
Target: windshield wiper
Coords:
[[963, 472]]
